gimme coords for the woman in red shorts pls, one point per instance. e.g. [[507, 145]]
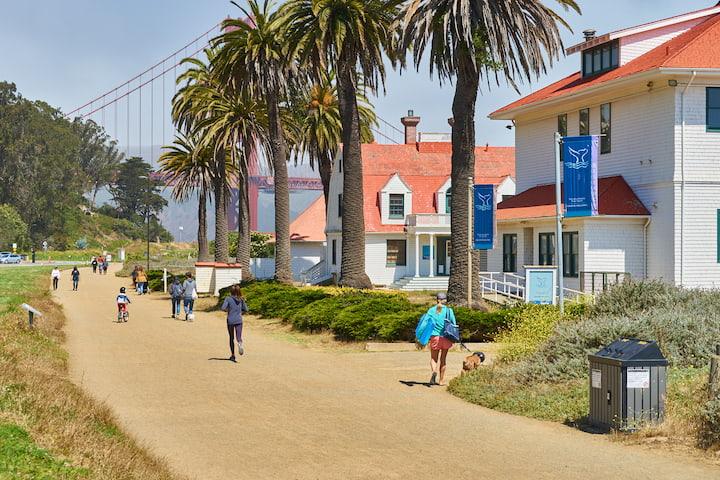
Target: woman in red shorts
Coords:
[[439, 345]]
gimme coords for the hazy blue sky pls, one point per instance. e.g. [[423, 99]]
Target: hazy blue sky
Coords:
[[67, 52]]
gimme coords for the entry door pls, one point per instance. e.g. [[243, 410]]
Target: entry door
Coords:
[[447, 257]]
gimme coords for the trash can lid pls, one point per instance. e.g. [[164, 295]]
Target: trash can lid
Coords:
[[630, 352]]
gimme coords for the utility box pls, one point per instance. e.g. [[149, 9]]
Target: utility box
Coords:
[[627, 384]]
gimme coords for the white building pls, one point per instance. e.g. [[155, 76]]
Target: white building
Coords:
[[654, 91], [406, 192]]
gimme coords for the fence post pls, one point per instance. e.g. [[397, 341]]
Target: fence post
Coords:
[[165, 280], [714, 381]]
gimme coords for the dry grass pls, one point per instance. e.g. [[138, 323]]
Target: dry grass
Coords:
[[37, 395]]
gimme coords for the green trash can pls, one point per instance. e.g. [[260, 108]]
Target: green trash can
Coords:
[[628, 381]]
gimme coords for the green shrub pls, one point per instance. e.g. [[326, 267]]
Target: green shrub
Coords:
[[476, 326], [319, 315], [528, 327], [709, 434], [359, 322], [632, 297]]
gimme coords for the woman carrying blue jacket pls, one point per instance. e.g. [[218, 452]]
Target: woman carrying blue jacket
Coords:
[[439, 345]]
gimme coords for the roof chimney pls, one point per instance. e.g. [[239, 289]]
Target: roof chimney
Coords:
[[589, 34], [411, 123]]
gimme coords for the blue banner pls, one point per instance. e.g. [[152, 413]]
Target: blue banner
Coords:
[[580, 175], [483, 217]]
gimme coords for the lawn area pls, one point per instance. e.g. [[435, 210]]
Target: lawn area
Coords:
[[49, 429]]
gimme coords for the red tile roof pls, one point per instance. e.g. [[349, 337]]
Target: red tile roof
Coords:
[[309, 226], [698, 48], [615, 197], [425, 168]]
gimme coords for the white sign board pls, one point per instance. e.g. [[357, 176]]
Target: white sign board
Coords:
[[596, 378], [638, 379]]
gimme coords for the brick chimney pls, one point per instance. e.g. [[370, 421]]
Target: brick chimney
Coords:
[[410, 122]]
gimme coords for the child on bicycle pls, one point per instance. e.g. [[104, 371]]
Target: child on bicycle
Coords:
[[122, 303]]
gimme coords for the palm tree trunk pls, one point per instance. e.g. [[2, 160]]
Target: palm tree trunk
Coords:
[[221, 223], [243, 245], [325, 168], [352, 264], [463, 168], [278, 150], [203, 250]]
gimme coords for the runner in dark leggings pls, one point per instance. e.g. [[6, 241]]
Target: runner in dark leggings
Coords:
[[235, 306]]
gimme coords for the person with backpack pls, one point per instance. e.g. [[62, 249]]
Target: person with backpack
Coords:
[[439, 315], [75, 278], [141, 281], [189, 295], [235, 306], [176, 294]]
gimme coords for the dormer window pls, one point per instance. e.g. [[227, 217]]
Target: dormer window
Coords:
[[397, 206], [601, 58]]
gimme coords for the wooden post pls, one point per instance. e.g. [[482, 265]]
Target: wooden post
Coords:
[[30, 318], [714, 381]]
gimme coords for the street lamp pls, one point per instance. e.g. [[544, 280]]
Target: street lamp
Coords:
[[147, 218]]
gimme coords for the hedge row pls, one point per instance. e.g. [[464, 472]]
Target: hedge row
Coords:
[[356, 315], [155, 279]]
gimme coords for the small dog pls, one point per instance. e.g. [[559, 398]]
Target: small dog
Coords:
[[473, 361]]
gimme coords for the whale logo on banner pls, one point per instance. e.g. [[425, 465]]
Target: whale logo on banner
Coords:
[[483, 217], [580, 175]]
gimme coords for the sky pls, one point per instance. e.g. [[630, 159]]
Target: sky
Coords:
[[68, 52]]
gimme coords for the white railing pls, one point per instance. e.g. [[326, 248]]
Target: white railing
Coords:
[[428, 220], [501, 286], [315, 274]]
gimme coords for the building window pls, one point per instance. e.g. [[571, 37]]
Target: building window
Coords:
[[340, 205], [509, 252], [605, 116], [601, 58], [397, 206], [585, 121], [562, 130], [547, 249], [334, 252], [448, 202], [713, 108], [396, 253], [562, 125], [570, 254]]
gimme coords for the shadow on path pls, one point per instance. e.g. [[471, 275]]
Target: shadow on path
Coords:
[[409, 383]]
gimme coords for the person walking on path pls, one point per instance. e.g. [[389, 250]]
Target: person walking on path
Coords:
[[75, 278], [189, 295], [439, 345], [94, 263], [133, 275], [141, 281], [235, 306], [176, 294], [55, 275], [105, 265]]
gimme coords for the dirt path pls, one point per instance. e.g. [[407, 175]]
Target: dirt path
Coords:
[[288, 412]]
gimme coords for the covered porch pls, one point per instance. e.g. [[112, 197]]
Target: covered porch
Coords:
[[429, 240]]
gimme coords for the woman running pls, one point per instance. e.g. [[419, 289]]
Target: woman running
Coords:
[[235, 306]]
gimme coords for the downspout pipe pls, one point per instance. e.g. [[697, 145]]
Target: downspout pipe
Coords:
[[682, 177], [645, 245]]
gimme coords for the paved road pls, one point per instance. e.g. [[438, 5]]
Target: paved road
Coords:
[[288, 412]]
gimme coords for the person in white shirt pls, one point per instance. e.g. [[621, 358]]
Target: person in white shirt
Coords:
[[55, 275]]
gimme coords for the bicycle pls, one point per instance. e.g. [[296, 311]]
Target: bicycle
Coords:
[[123, 314]]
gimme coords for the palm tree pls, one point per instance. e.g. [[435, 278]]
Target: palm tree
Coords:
[[345, 35], [233, 119], [320, 123], [253, 57], [190, 108], [469, 39], [189, 169]]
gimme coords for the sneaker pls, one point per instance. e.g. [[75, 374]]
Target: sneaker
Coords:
[[433, 378], [241, 350], [232, 358]]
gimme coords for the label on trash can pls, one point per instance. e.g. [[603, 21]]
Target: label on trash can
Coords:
[[638, 379], [596, 378]]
